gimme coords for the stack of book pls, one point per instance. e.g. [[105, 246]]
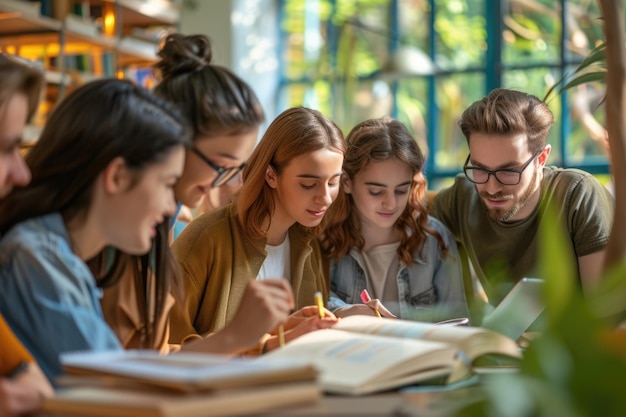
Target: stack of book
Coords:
[[146, 384]]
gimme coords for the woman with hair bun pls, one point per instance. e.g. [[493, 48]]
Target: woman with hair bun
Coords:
[[225, 115]]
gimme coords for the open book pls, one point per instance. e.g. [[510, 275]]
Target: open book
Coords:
[[146, 384], [363, 354]]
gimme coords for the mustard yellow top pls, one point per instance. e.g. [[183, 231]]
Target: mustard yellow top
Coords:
[[12, 353]]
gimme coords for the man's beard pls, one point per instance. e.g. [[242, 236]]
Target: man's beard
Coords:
[[502, 215]]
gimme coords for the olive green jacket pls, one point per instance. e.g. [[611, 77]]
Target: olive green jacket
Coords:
[[217, 259]]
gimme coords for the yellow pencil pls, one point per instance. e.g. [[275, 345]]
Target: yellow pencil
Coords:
[[281, 335], [320, 304]]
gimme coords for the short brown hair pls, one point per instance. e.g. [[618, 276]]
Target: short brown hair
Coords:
[[505, 112]]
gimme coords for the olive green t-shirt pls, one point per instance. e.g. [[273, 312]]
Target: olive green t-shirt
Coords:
[[503, 253]]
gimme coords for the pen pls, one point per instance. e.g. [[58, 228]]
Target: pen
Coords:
[[365, 297], [320, 304], [281, 335]]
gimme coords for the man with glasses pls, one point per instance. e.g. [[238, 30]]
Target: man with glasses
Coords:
[[493, 209]]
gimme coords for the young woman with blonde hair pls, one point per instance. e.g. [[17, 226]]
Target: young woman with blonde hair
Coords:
[[269, 231]]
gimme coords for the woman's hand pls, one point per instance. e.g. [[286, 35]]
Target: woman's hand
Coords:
[[25, 393], [303, 321], [265, 304], [367, 309]]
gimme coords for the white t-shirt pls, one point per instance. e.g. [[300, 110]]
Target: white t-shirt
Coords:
[[277, 263]]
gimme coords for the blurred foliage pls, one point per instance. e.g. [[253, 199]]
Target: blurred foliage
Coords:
[[336, 49], [577, 366]]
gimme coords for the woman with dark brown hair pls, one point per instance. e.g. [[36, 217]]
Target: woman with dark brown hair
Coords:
[[225, 115]]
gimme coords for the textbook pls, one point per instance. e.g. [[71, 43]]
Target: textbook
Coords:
[[363, 354], [184, 372], [94, 401], [143, 383]]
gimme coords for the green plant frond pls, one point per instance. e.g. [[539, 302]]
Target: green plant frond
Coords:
[[595, 56], [596, 76], [608, 300], [556, 263]]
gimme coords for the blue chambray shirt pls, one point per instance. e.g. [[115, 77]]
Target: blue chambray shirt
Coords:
[[431, 289], [48, 295]]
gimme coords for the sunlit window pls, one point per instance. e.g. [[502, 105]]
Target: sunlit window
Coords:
[[425, 61]]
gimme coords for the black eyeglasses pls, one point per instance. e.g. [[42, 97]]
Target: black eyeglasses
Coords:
[[505, 176], [223, 174]]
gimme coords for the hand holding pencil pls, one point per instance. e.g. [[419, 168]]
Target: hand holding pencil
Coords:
[[365, 297], [305, 320], [368, 307]]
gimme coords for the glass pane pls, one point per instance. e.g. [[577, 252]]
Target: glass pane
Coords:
[[586, 141], [534, 81], [531, 32], [351, 104], [537, 81], [316, 96], [411, 103], [414, 25], [461, 37], [454, 94], [584, 28]]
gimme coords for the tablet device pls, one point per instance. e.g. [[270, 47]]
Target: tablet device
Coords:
[[518, 310]]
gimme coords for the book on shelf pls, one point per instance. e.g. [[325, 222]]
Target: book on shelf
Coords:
[[81, 26], [363, 354], [145, 384], [28, 8]]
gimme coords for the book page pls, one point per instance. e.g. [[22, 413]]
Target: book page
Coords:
[[474, 341], [355, 364]]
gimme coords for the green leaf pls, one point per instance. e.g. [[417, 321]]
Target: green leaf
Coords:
[[596, 76], [596, 55], [556, 263]]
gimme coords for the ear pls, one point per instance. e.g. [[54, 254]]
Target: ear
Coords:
[[270, 177], [346, 183], [543, 156], [116, 177]]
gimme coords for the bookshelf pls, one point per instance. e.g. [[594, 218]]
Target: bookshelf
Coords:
[[79, 40]]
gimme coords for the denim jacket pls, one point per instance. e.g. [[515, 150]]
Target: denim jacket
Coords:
[[48, 295], [431, 289]]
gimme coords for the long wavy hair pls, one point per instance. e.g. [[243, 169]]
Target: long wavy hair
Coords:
[[380, 140], [296, 131], [97, 123]]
